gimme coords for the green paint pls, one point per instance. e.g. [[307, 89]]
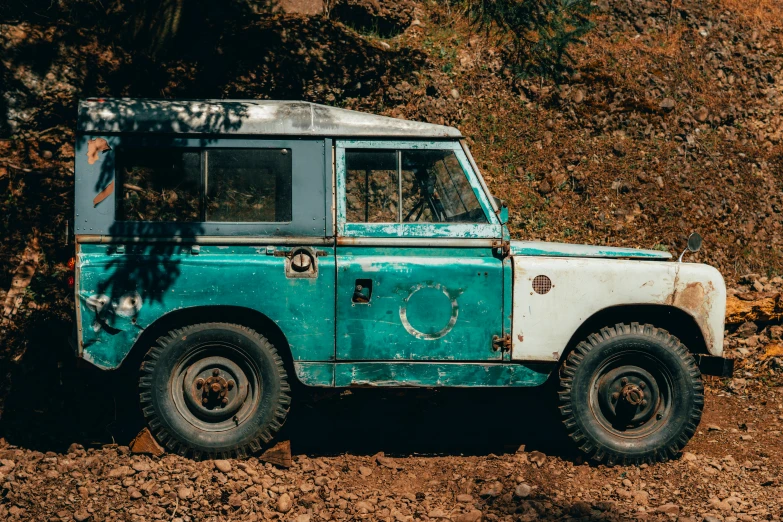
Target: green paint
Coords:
[[169, 278], [541, 248], [440, 374], [492, 229], [426, 304], [315, 373]]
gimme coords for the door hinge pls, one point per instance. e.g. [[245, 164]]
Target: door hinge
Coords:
[[501, 343], [503, 246]]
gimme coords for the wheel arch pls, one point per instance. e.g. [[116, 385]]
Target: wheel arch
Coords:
[[243, 316], [676, 321]]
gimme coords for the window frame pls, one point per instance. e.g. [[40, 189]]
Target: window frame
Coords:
[[492, 229], [310, 192]]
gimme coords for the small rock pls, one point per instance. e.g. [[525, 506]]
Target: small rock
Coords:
[[537, 458], [470, 516], [145, 443], [365, 471], [689, 457], [121, 471], [284, 503], [578, 96], [670, 509], [321, 481], [81, 516], [702, 114], [184, 493], [640, 497], [465, 498], [747, 329], [544, 187], [522, 490], [386, 461], [581, 508], [141, 465], [223, 466], [75, 448], [454, 93], [492, 490], [714, 427], [746, 438], [667, 104], [135, 494], [304, 517], [235, 501]]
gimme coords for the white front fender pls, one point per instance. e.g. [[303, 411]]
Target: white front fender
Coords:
[[543, 324]]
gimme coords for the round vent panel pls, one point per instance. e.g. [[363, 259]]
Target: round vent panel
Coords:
[[542, 284]]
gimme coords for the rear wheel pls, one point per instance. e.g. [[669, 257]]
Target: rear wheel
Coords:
[[631, 394], [214, 389]]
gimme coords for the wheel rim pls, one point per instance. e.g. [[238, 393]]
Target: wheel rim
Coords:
[[216, 387], [631, 395]]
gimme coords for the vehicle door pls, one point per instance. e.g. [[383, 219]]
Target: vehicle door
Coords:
[[419, 270]]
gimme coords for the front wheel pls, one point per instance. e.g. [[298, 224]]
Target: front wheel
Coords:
[[213, 390], [631, 394]]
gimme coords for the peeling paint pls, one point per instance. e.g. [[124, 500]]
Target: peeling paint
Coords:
[[584, 287]]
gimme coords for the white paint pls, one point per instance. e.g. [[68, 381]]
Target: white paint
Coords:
[[543, 325]]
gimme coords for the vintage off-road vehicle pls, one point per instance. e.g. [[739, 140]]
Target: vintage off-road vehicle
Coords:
[[226, 248]]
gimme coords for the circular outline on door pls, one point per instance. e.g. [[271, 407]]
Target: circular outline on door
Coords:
[[425, 336]]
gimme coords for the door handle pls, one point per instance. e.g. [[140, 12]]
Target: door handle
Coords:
[[362, 291]]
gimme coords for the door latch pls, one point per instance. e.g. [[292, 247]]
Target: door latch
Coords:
[[501, 343]]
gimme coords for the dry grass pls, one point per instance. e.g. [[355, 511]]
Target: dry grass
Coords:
[[768, 13]]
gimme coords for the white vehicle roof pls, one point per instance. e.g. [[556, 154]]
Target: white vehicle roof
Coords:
[[248, 117]]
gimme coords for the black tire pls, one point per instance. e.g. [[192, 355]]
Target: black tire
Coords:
[[214, 390], [630, 394]]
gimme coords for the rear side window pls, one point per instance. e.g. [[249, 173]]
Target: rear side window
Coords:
[[204, 185]]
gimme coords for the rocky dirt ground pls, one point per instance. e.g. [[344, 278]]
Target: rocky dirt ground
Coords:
[[730, 471]]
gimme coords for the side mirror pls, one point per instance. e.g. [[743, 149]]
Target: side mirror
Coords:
[[503, 212], [694, 242], [694, 245]]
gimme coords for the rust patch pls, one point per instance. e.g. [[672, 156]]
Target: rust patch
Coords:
[[95, 147], [521, 338], [692, 297], [105, 193]]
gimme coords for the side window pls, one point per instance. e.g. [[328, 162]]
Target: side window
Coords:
[[204, 185], [159, 185], [371, 186], [248, 185], [431, 184], [435, 189]]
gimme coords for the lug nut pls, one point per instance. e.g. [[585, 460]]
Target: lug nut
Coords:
[[624, 381], [204, 401], [642, 385], [199, 383], [615, 396], [231, 384], [215, 372], [215, 387], [224, 401], [644, 403]]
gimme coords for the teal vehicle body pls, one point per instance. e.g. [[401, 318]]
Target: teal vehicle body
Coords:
[[394, 299]]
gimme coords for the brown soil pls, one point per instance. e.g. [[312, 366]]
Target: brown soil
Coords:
[[449, 457]]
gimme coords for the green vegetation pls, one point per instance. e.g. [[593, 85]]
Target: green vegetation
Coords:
[[537, 32]]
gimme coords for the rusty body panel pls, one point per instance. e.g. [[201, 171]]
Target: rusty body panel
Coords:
[[544, 324], [401, 303]]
